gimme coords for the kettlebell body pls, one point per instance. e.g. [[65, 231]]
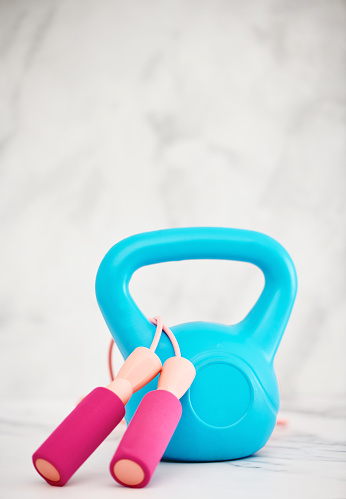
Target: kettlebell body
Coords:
[[231, 408]]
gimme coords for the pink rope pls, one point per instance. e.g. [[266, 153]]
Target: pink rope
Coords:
[[159, 328]]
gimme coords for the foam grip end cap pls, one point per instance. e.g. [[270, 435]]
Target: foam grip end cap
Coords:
[[76, 438], [146, 439]]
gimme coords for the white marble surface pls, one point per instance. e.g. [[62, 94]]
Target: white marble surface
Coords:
[[119, 117], [305, 459]]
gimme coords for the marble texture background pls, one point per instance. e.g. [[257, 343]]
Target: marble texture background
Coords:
[[304, 460], [121, 117]]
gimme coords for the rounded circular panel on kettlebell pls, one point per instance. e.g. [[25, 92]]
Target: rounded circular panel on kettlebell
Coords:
[[221, 394]]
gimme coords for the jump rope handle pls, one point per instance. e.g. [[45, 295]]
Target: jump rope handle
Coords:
[[78, 436], [152, 426]]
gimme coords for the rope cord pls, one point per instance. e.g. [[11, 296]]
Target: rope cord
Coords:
[[160, 326]]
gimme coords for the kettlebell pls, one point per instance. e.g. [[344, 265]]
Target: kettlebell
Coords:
[[231, 408]]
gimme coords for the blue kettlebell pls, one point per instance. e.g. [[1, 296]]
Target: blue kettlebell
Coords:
[[231, 408]]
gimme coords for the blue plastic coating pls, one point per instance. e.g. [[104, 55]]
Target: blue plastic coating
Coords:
[[231, 408]]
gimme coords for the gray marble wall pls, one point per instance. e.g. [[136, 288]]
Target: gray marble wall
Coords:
[[121, 117]]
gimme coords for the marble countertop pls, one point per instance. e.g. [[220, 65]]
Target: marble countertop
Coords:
[[303, 459]]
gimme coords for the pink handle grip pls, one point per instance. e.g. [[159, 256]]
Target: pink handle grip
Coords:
[[76, 438], [146, 439]]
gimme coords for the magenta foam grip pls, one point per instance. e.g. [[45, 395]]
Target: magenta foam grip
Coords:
[[146, 439], [76, 438]]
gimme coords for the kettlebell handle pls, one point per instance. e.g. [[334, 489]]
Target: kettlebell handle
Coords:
[[265, 322]]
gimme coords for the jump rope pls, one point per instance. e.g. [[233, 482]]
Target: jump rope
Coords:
[[95, 417]]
